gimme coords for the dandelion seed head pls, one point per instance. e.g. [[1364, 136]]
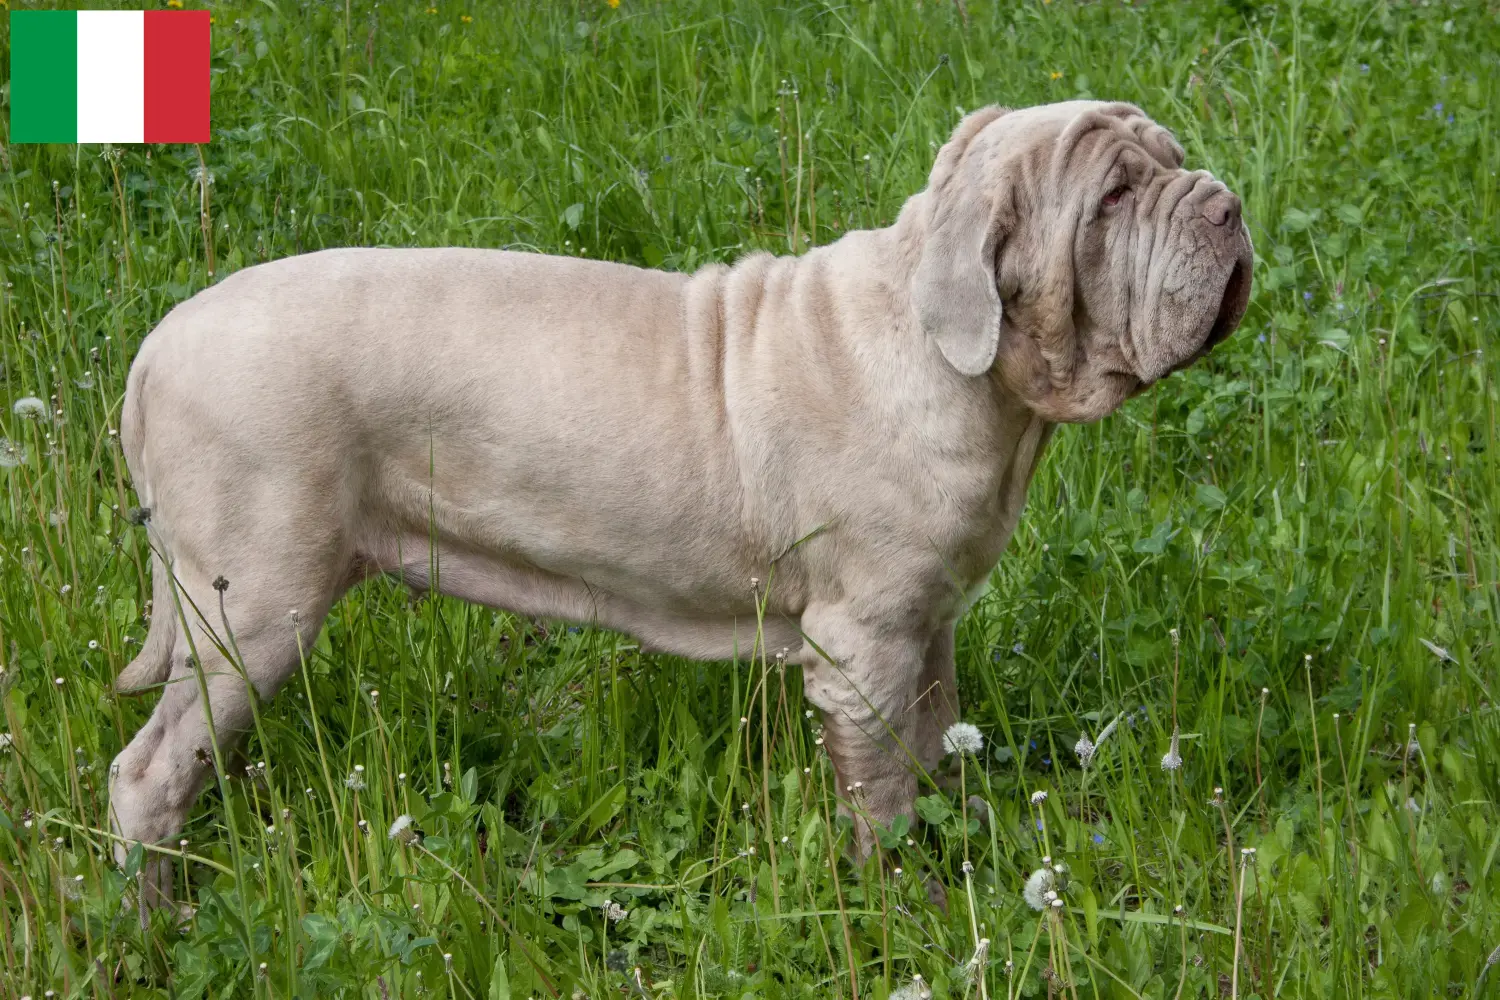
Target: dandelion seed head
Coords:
[[1041, 882], [1084, 748], [401, 831], [1038, 797], [12, 454], [963, 737], [29, 408], [1172, 759], [914, 990]]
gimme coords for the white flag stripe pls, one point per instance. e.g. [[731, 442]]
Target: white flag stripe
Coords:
[[111, 76]]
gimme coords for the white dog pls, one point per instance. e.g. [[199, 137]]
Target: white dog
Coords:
[[854, 428]]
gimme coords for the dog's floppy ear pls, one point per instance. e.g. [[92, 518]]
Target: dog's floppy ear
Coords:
[[954, 285]]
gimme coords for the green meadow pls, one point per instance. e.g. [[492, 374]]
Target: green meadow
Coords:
[[1289, 554]]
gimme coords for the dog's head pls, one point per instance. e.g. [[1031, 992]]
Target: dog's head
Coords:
[[1067, 251]]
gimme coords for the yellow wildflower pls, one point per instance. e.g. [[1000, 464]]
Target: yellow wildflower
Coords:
[[613, 4], [1057, 74], [466, 19], [175, 4]]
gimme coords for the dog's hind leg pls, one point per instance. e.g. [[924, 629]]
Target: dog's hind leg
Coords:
[[270, 607]]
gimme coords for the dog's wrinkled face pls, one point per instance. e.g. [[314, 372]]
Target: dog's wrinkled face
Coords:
[[1070, 255]]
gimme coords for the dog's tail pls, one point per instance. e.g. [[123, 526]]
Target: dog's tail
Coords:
[[154, 663]]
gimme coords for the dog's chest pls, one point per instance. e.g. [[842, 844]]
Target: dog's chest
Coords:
[[977, 509]]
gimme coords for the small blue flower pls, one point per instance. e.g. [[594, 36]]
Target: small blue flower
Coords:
[[1307, 296], [1018, 648], [1098, 838], [1438, 107], [1364, 67], [1046, 761], [1449, 119], [1038, 824], [666, 158], [1033, 744], [1261, 339]]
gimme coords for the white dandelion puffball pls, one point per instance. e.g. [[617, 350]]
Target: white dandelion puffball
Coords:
[[401, 830], [963, 737], [1038, 797], [11, 454], [914, 990], [29, 408], [1084, 748], [1037, 887], [1172, 760]]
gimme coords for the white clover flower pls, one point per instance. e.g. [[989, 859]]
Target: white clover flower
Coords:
[[29, 408], [963, 737], [1038, 886], [1038, 797], [402, 831], [1172, 760]]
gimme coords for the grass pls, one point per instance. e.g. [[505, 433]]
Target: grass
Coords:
[[1290, 551]]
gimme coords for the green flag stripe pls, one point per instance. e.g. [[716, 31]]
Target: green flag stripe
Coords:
[[43, 76]]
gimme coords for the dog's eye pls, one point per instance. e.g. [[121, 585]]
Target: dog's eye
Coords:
[[1114, 196]]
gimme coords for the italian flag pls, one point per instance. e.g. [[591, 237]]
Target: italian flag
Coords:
[[109, 76]]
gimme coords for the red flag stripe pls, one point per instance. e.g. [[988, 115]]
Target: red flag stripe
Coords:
[[177, 75]]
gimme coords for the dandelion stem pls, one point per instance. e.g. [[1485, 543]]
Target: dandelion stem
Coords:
[[1239, 903]]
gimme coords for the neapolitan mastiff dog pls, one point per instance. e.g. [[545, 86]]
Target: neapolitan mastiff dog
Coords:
[[599, 443]]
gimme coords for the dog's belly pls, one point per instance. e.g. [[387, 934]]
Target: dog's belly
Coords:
[[491, 580]]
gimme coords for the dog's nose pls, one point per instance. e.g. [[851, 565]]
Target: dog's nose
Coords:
[[1222, 208]]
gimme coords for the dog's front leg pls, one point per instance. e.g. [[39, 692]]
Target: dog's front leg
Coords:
[[863, 675]]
